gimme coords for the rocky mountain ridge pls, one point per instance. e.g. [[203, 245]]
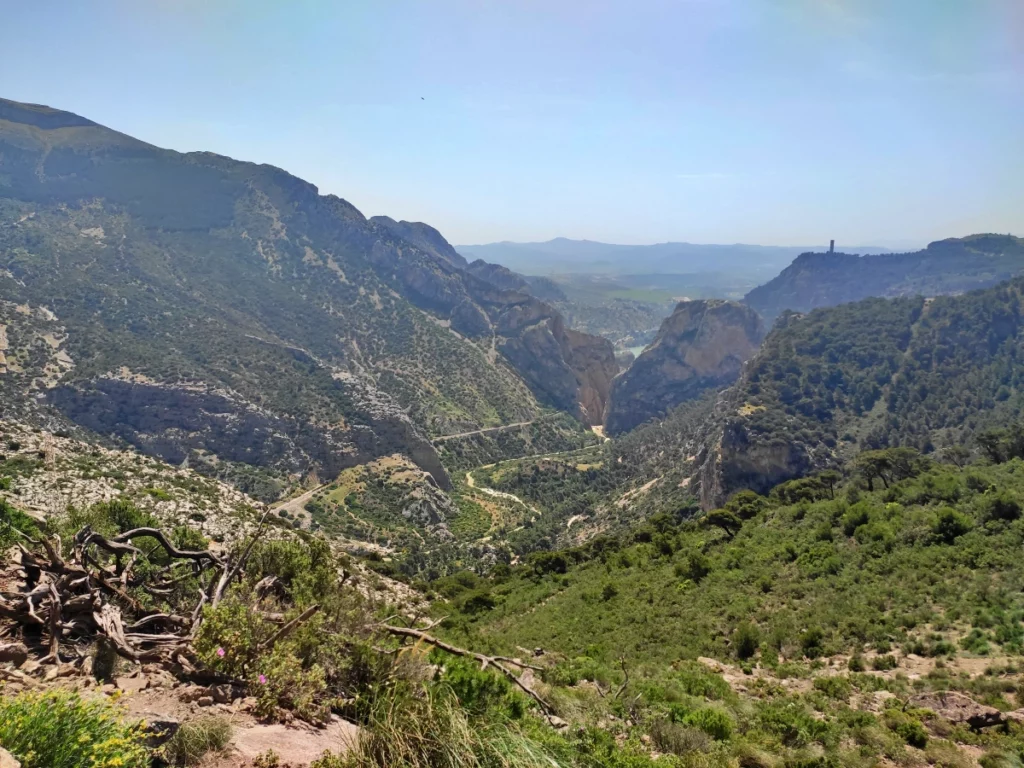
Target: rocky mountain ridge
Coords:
[[229, 307], [701, 346], [945, 267]]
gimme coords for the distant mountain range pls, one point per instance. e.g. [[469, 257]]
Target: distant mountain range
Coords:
[[564, 256]]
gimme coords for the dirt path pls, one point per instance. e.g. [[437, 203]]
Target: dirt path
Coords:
[[297, 505], [471, 482], [484, 431]]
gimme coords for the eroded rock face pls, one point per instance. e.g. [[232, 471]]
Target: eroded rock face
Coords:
[[172, 420], [701, 346], [728, 459]]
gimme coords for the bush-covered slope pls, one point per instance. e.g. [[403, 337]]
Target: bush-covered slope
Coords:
[[814, 600], [944, 267]]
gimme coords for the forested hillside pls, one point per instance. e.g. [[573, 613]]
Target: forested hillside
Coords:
[[877, 373], [948, 266]]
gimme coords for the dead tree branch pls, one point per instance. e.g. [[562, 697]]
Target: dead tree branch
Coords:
[[498, 662]]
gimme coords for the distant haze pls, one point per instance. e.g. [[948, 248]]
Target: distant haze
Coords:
[[564, 256], [628, 121]]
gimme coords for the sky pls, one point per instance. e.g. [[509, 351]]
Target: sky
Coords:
[[785, 122]]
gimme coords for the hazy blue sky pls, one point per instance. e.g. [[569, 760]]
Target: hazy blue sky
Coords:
[[766, 121]]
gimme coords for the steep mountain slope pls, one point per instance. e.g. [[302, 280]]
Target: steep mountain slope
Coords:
[[944, 267], [424, 237], [224, 307], [876, 373], [504, 278], [701, 346]]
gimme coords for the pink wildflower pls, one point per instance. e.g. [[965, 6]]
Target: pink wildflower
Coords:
[[263, 679], [220, 652]]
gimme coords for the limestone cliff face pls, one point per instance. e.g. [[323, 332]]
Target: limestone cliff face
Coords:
[[701, 346], [728, 460], [593, 361]]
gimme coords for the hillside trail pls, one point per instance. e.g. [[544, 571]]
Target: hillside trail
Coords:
[[471, 482], [297, 505], [483, 431]]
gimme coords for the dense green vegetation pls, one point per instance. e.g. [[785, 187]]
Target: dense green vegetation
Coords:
[[823, 581], [873, 374], [62, 730]]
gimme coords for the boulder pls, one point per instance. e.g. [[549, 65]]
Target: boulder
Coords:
[[132, 684], [7, 759], [958, 708], [159, 728]]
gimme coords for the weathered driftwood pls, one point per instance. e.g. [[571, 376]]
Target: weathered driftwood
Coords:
[[85, 595]]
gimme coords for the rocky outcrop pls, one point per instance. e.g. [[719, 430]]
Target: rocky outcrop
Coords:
[[542, 288], [424, 237], [728, 458], [498, 276], [592, 360], [171, 421], [961, 710], [701, 346]]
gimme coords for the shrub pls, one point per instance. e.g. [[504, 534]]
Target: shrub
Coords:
[[999, 758], [423, 726], [476, 602], [61, 730], [478, 690], [677, 739], [907, 728], [746, 640], [715, 722], [694, 566], [1001, 505], [950, 525], [609, 591], [696, 680], [811, 643], [834, 687], [285, 682], [12, 519], [793, 724], [195, 738]]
